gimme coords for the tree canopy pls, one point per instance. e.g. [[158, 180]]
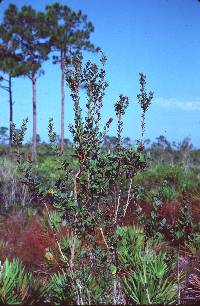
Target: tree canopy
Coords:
[[68, 29]]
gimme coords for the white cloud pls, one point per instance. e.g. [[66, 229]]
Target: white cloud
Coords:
[[174, 103]]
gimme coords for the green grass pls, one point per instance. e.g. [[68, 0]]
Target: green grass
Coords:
[[175, 175]]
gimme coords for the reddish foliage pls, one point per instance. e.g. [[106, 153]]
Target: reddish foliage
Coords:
[[196, 210], [33, 242], [26, 240], [170, 211], [131, 217]]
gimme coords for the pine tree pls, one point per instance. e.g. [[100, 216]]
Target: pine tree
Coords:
[[10, 65], [69, 31], [29, 31]]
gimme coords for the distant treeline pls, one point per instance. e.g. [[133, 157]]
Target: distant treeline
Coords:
[[161, 149]]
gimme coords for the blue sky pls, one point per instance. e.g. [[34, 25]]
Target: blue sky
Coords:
[[158, 37]]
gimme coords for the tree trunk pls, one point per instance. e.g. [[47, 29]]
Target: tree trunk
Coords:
[[11, 109], [34, 144], [63, 54]]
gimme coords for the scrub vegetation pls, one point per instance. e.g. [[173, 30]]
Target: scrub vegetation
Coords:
[[95, 220]]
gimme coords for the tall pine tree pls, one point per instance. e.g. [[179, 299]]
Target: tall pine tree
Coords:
[[11, 66], [31, 34], [69, 31]]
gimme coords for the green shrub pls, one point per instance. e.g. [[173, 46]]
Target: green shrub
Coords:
[[164, 193], [175, 175], [47, 170], [193, 245]]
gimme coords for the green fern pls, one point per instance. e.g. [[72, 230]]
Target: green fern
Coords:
[[13, 283], [18, 286], [148, 280], [61, 289]]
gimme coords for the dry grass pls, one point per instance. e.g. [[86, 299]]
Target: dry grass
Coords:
[[12, 192]]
